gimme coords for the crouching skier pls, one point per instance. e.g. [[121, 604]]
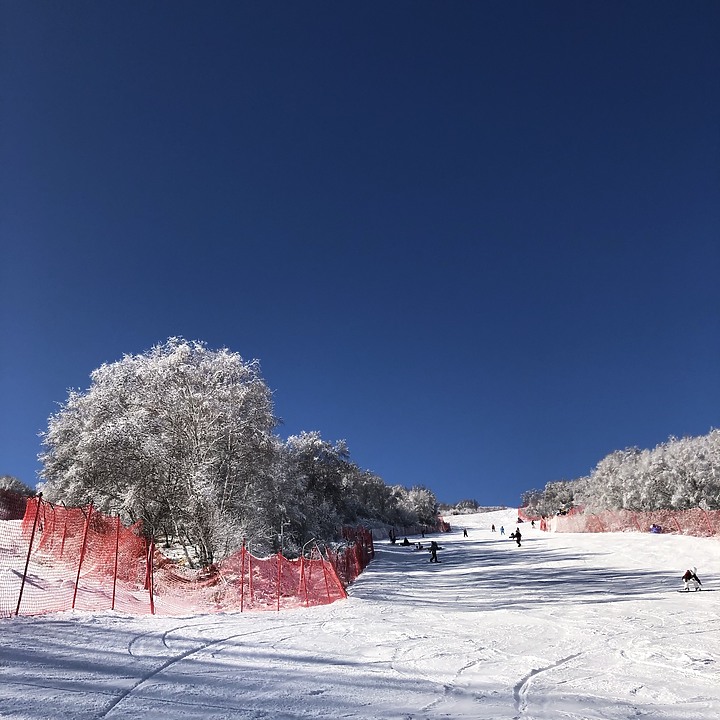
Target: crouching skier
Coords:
[[689, 577]]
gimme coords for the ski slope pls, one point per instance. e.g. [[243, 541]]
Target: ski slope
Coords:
[[566, 626]]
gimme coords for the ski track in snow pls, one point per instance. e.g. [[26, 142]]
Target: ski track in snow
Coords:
[[567, 627], [150, 639], [521, 690]]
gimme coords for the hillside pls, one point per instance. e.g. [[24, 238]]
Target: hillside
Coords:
[[566, 626]]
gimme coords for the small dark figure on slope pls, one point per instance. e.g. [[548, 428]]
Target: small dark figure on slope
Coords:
[[433, 551], [689, 577]]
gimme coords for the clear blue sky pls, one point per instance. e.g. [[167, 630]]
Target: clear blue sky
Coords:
[[480, 241]]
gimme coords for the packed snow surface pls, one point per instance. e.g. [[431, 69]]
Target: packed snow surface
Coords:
[[566, 626]]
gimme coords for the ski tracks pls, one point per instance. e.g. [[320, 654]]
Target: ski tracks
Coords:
[[522, 688], [154, 646]]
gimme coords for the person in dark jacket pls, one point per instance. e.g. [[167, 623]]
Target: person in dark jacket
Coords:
[[690, 576], [518, 536], [433, 551]]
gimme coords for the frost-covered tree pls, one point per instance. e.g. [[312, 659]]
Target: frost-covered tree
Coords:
[[315, 499], [677, 475], [366, 496], [179, 437], [13, 484], [423, 504], [557, 496]]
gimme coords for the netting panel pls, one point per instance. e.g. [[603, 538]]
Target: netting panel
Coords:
[[697, 522], [57, 558]]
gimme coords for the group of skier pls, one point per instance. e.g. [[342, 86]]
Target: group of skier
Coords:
[[689, 578]]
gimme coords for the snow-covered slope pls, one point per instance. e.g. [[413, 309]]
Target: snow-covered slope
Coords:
[[566, 626]]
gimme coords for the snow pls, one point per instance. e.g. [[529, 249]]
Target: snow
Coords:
[[577, 626]]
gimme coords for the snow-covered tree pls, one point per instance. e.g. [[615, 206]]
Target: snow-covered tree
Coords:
[[676, 475], [315, 496], [13, 484], [423, 504], [179, 437]]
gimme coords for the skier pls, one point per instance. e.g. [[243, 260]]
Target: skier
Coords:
[[690, 576], [433, 551], [518, 536], [465, 532], [502, 529], [493, 528]]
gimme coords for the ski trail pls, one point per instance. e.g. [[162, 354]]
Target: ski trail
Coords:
[[521, 689], [201, 646]]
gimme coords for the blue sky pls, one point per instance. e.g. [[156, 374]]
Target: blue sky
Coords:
[[478, 241]]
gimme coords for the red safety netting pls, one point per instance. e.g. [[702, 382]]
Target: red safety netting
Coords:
[[245, 582], [354, 558], [698, 522], [72, 558], [59, 558]]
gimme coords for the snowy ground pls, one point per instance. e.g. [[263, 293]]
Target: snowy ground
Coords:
[[567, 626]]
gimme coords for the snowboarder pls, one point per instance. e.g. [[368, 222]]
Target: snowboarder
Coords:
[[690, 576], [493, 528], [464, 532], [518, 536], [433, 551]]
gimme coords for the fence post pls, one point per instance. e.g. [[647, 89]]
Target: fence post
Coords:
[[334, 571], [250, 577], [117, 546], [27, 560], [151, 574], [322, 561], [64, 533], [710, 527], [303, 581], [242, 576], [82, 554]]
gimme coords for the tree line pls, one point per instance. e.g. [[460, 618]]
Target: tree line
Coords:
[[183, 438], [678, 474]]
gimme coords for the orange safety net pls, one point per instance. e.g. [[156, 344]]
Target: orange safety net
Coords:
[[59, 558], [244, 582], [72, 558], [697, 522]]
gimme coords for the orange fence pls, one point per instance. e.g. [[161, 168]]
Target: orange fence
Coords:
[[697, 522], [58, 558]]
